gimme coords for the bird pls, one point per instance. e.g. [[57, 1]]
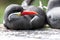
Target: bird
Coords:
[[53, 14], [19, 18]]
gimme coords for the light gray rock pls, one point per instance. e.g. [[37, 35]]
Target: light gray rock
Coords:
[[43, 34]]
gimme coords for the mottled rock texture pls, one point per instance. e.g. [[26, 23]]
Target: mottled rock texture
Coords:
[[43, 34]]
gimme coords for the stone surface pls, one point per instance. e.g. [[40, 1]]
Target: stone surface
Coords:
[[43, 34]]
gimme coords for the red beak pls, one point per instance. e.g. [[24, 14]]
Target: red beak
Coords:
[[29, 13]]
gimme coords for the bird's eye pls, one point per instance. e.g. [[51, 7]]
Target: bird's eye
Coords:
[[52, 18], [49, 17]]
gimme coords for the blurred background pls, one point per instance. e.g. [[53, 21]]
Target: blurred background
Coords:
[[5, 3]]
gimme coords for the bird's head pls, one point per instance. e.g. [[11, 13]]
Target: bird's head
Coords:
[[25, 12]]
